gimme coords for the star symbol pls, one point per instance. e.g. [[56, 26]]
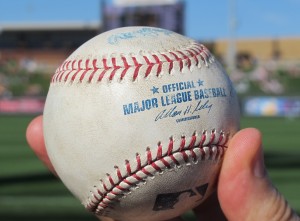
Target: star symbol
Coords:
[[200, 83], [154, 90]]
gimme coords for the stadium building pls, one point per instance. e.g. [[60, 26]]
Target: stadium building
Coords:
[[43, 45]]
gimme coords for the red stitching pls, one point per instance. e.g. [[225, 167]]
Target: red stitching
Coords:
[[194, 156], [185, 57], [137, 68], [100, 193], [179, 60], [79, 68], [95, 68], [128, 168], [101, 76], [170, 147], [194, 56], [165, 163], [104, 185], [157, 168], [150, 65], [119, 66], [193, 140], [97, 204], [146, 172], [115, 68], [138, 160], [118, 172], [86, 70], [159, 151], [121, 188], [182, 143], [169, 61], [174, 160], [149, 156], [212, 137], [126, 67], [127, 182], [203, 138], [110, 179], [156, 58], [73, 68], [96, 197], [137, 177]]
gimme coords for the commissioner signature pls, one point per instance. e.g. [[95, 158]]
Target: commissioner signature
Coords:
[[200, 106], [175, 111]]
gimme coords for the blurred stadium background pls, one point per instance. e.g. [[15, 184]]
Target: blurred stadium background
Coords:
[[265, 71]]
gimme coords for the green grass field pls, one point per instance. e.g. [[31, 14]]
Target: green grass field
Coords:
[[29, 192]]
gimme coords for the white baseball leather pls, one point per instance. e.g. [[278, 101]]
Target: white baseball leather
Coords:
[[137, 121]]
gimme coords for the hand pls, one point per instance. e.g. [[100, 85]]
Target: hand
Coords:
[[244, 189]]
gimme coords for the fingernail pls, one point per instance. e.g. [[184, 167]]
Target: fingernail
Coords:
[[259, 169]]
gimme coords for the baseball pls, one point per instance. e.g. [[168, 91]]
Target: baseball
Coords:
[[137, 122]]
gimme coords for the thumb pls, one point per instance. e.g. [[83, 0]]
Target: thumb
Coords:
[[35, 139], [245, 191]]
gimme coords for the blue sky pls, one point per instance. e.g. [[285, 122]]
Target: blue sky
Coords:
[[204, 19]]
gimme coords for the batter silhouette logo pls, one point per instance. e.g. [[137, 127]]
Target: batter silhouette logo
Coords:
[[168, 201]]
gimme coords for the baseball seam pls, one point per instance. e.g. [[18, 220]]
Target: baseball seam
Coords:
[[113, 187], [143, 64]]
